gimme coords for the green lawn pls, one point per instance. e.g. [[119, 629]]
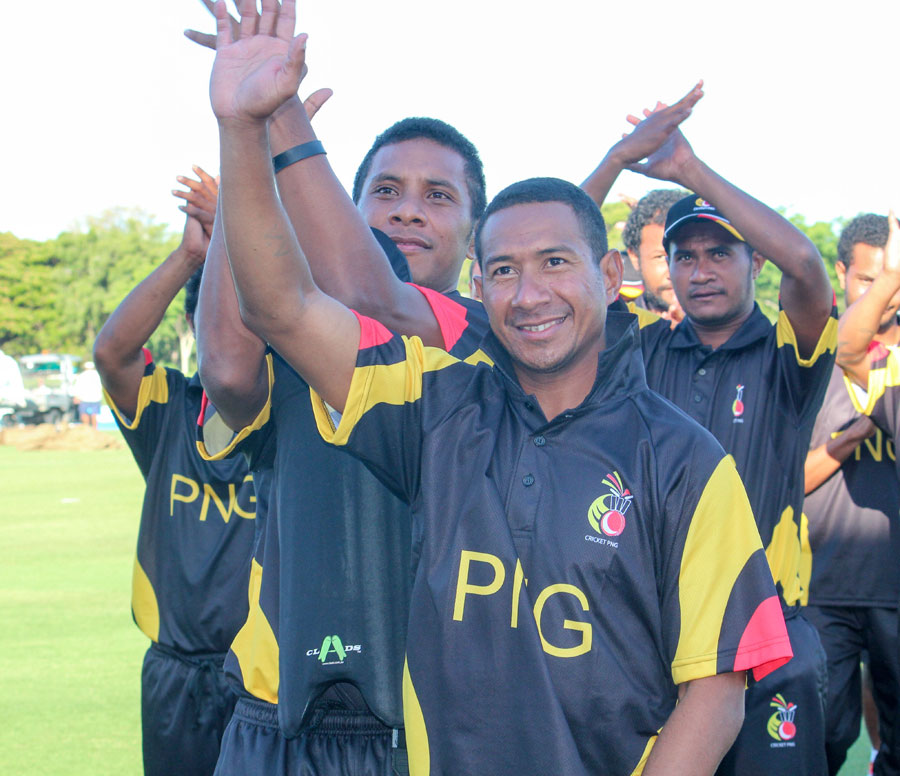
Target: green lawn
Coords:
[[70, 655]]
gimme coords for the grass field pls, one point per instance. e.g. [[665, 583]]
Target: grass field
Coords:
[[70, 655]]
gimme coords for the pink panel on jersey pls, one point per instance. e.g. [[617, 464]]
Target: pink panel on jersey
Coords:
[[764, 645], [371, 333], [450, 315]]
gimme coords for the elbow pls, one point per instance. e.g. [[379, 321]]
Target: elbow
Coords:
[[226, 379]]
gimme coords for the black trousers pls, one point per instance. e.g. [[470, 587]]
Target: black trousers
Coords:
[[847, 632], [185, 705]]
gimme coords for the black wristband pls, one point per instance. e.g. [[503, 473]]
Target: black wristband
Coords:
[[295, 154]]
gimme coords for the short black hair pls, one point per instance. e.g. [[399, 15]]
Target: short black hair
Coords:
[[650, 209], [192, 292], [868, 228], [590, 219], [441, 133]]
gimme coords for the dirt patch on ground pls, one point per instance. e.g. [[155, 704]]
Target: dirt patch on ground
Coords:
[[62, 437]]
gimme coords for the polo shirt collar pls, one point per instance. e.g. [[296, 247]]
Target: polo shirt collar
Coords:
[[620, 366], [755, 328]]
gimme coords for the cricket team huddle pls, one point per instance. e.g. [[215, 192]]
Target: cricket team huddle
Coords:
[[602, 516]]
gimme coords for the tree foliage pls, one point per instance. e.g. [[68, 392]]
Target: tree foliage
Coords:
[[56, 295]]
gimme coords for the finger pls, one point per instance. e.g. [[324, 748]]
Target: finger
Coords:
[[249, 18], [189, 182], [693, 96], [269, 17], [295, 65], [638, 167], [287, 18], [203, 38], [223, 27], [210, 6], [315, 101], [647, 112], [204, 176], [632, 119]]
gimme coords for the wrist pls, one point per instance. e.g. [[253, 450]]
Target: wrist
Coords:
[[290, 126], [691, 174]]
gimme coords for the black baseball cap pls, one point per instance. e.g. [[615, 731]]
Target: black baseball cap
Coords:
[[694, 208]]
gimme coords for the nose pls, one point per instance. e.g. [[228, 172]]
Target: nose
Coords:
[[531, 291], [703, 271], [407, 209]]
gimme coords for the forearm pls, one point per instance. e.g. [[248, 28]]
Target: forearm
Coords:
[[701, 729], [600, 182], [823, 461], [335, 239], [230, 357], [117, 349], [859, 324]]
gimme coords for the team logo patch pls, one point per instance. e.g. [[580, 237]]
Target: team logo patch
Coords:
[[333, 651], [607, 513], [781, 725], [737, 406], [700, 202]]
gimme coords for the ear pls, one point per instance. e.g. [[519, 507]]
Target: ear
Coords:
[[840, 269], [611, 270], [635, 260], [477, 289], [757, 261]]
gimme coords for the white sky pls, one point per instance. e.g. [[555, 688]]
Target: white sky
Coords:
[[105, 102]]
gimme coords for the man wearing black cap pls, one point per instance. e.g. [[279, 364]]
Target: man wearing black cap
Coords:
[[757, 387]]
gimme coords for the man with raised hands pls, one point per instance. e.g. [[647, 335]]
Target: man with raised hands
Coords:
[[756, 386], [875, 365], [330, 606], [510, 638]]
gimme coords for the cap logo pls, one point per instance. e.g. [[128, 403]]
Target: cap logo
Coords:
[[703, 204]]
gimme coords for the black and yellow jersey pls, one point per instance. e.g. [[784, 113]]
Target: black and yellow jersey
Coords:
[[759, 399], [854, 532], [197, 524], [568, 575], [332, 578], [882, 402]]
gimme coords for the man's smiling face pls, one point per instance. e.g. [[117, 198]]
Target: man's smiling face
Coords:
[[543, 289]]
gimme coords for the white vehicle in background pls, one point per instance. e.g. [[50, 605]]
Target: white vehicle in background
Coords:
[[12, 389], [49, 379]]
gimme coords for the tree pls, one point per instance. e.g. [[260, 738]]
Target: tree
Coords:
[[28, 294]]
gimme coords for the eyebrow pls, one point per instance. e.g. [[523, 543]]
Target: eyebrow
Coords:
[[390, 177], [542, 252]]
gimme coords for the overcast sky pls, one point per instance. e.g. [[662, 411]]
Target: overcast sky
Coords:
[[105, 102]]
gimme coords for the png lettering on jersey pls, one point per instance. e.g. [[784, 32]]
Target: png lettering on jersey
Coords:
[[606, 514], [782, 725], [186, 490], [464, 588]]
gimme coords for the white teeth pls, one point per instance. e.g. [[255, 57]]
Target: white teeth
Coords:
[[540, 327]]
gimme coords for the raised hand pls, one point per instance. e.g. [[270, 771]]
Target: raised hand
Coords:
[[259, 70], [200, 198], [653, 132], [209, 40], [892, 248]]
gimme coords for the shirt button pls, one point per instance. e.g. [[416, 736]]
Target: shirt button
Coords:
[[529, 406], [698, 398], [528, 480], [701, 371], [539, 441]]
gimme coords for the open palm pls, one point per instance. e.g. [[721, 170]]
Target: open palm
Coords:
[[254, 75]]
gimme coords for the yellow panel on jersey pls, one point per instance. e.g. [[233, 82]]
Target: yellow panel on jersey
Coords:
[[784, 556], [153, 388], [414, 725], [639, 769], [806, 560], [143, 602], [785, 335], [707, 575], [645, 317], [216, 440], [255, 646], [882, 377]]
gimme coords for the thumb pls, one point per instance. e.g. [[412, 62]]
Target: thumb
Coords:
[[315, 101]]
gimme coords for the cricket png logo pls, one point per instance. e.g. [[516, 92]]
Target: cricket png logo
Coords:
[[737, 406], [607, 514], [781, 724]]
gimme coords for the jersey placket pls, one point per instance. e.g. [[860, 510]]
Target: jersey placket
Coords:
[[703, 385]]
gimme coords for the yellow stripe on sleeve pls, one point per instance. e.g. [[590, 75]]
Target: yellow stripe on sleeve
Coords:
[[784, 334], [880, 379], [153, 388], [645, 317], [219, 441], [639, 768], [708, 572]]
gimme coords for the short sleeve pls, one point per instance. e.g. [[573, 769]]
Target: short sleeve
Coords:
[[216, 441], [804, 380], [882, 401], [721, 590]]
